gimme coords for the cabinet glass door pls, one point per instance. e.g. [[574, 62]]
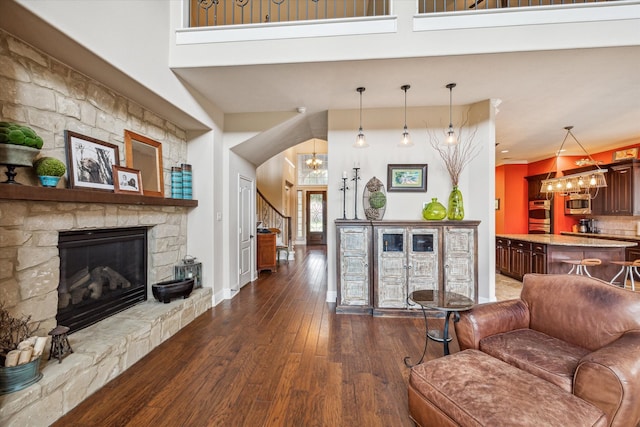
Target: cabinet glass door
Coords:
[[422, 260]]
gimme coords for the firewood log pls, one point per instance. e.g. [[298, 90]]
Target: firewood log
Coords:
[[12, 358]]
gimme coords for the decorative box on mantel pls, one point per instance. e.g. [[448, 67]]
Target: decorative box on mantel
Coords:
[[189, 269]]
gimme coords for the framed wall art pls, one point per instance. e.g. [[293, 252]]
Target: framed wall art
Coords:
[[90, 161], [629, 153], [407, 178], [126, 180], [145, 155]]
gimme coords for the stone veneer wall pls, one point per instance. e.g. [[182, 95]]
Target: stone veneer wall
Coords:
[[37, 90]]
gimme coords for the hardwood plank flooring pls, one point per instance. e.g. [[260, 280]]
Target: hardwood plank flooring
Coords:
[[275, 355]]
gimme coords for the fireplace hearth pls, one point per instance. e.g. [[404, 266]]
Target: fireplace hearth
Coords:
[[102, 272]]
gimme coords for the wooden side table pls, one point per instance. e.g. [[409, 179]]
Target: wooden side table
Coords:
[[267, 252]]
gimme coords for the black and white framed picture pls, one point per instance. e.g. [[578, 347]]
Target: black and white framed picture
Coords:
[[90, 161]]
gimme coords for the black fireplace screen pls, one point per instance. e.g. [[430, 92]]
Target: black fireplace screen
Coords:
[[102, 272]]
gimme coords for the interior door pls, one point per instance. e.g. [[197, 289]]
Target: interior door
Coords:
[[316, 218], [246, 231]]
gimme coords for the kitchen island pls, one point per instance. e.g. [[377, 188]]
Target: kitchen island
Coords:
[[519, 254]]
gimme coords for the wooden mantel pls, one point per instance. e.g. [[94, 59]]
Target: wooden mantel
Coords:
[[43, 194]]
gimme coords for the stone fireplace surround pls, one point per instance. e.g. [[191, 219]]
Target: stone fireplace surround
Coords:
[[29, 273]]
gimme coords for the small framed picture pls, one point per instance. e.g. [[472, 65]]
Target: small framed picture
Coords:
[[90, 161], [497, 204], [407, 178], [629, 153], [127, 180]]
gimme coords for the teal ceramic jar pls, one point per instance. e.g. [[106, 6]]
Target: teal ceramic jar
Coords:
[[434, 210]]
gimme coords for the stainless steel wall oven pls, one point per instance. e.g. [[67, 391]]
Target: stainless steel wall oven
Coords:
[[540, 216]]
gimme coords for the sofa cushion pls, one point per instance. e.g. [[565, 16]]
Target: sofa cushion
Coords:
[[580, 310], [471, 388], [546, 357]]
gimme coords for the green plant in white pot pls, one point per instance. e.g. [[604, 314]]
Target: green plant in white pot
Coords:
[[49, 170], [19, 145]]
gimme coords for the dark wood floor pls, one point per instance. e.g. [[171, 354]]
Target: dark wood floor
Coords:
[[275, 355]]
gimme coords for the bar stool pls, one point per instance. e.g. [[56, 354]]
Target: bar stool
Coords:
[[579, 266], [629, 268]]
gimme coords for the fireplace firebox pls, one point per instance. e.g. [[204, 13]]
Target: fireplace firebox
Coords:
[[102, 272]]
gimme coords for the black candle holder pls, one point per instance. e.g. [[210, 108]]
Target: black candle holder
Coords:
[[356, 178], [344, 189]]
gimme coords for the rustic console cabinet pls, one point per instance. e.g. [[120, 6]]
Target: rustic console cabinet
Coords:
[[381, 262]]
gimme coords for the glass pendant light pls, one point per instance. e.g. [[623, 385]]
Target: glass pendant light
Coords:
[[361, 142], [405, 141], [451, 135]]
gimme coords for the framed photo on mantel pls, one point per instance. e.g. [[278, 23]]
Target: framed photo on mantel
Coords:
[[90, 161]]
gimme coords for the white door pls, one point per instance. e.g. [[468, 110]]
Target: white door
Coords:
[[247, 229]]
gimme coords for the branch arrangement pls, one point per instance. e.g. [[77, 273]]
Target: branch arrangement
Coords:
[[456, 157]]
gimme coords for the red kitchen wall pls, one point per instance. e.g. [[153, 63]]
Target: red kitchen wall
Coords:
[[511, 193]]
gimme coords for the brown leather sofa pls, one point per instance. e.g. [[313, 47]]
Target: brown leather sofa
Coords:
[[578, 333]]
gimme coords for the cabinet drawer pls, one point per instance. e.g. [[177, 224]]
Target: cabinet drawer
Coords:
[[541, 249], [525, 246], [502, 242]]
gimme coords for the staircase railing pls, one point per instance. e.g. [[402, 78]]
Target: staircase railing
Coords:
[[273, 218]]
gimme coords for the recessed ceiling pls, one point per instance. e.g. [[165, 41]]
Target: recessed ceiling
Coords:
[[595, 90]]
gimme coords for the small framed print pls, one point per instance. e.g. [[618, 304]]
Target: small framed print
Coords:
[[407, 178], [126, 180], [629, 153], [497, 204]]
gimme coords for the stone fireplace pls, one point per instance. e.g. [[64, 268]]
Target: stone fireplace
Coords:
[[32, 267], [102, 272]]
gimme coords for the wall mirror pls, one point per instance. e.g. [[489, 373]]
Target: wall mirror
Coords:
[[145, 155]]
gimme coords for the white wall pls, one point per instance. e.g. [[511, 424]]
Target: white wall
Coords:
[[383, 128]]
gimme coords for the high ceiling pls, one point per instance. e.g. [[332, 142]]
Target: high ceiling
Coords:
[[595, 90]]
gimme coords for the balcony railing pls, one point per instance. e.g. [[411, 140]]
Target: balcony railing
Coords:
[[437, 6], [205, 13]]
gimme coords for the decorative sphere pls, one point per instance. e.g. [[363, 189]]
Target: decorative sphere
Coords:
[[377, 199]]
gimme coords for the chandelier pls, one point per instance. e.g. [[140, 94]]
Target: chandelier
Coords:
[[314, 162], [582, 182]]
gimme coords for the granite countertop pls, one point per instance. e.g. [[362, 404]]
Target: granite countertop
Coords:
[[563, 240], [603, 236]]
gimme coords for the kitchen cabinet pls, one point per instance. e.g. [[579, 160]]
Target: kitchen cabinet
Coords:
[[515, 258], [381, 262], [539, 259], [534, 183], [353, 267], [622, 189], [621, 196], [520, 259], [502, 256], [266, 251]]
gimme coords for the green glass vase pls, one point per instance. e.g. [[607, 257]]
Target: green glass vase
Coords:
[[456, 205], [434, 210]]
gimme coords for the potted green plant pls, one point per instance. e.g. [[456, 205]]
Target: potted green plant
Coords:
[[49, 170], [19, 145]]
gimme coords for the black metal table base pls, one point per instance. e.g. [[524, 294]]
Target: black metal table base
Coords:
[[444, 339]]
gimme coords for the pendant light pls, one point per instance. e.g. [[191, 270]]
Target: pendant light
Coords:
[[314, 162], [405, 141], [361, 142], [582, 182], [451, 135]]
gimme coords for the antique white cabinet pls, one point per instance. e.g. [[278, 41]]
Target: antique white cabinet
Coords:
[[381, 262], [354, 266], [407, 260]]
